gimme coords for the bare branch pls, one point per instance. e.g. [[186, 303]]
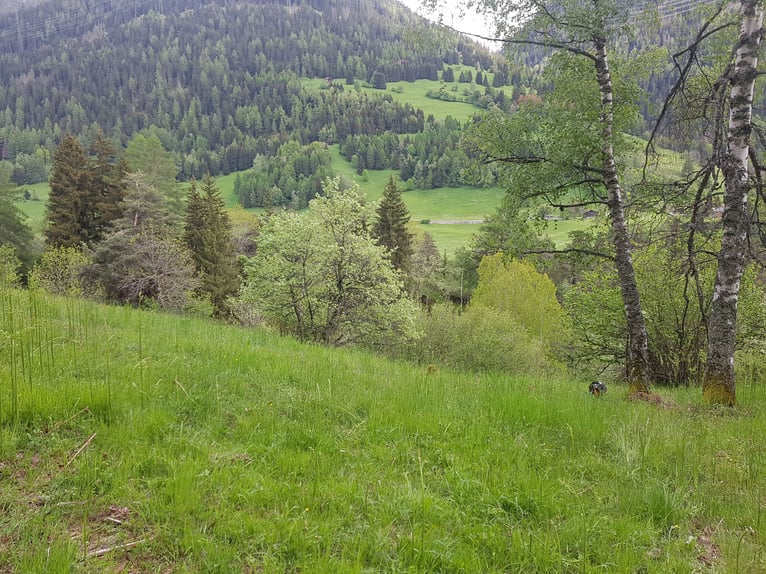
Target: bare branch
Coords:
[[568, 250]]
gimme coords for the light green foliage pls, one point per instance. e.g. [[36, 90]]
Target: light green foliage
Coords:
[[517, 291], [513, 323], [60, 271], [147, 155], [480, 339], [552, 148], [320, 276], [674, 316], [9, 266]]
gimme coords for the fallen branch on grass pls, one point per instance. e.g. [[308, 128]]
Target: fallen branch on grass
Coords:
[[107, 550], [79, 450]]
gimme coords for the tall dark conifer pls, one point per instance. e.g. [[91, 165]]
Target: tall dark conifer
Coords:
[[86, 191], [13, 230], [207, 234], [106, 188], [67, 202], [390, 228]]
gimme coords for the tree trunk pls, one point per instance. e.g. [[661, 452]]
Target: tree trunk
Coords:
[[719, 385], [637, 360]]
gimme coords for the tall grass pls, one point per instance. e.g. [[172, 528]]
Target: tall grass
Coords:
[[144, 442]]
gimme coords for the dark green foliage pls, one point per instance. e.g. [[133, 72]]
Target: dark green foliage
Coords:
[[379, 80], [85, 192], [67, 204], [431, 158], [292, 177], [106, 187], [13, 231], [218, 83], [390, 227], [207, 234]]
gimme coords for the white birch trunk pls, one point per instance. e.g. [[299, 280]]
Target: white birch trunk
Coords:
[[719, 386], [637, 359]]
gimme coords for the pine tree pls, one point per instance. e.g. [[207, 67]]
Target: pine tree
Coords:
[[390, 228], [67, 199], [207, 234]]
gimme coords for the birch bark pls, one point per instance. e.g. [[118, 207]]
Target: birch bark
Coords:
[[719, 386]]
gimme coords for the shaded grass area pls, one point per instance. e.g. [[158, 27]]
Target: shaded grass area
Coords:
[[138, 441]]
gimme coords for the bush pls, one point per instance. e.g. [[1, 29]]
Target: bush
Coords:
[[60, 271], [674, 318], [481, 339], [9, 266]]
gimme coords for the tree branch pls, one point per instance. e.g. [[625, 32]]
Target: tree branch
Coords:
[[568, 250]]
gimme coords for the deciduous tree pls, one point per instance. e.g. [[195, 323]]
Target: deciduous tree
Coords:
[[320, 275], [720, 384], [570, 141]]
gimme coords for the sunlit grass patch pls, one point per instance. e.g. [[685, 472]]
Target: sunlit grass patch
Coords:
[[148, 441]]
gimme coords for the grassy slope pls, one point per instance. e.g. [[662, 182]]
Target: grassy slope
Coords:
[[35, 207], [415, 93], [218, 449]]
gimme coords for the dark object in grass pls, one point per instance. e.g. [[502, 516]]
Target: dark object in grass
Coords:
[[597, 388]]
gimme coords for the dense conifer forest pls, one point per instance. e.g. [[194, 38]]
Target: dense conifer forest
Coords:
[[218, 83]]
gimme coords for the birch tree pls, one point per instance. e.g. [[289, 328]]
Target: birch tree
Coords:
[[719, 386], [586, 31]]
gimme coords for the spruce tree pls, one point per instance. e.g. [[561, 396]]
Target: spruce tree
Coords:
[[67, 200], [390, 228], [207, 234], [106, 188], [86, 192]]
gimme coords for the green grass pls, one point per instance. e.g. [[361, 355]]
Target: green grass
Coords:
[[415, 92], [35, 208], [136, 441]]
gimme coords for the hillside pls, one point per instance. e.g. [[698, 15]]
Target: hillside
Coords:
[[218, 82], [138, 441]]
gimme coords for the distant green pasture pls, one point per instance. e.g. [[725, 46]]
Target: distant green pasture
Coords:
[[35, 207], [415, 92]]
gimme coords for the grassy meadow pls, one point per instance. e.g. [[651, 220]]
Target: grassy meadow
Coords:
[[444, 204], [415, 92], [35, 208], [142, 442]]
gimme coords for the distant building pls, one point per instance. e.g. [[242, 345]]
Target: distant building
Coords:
[[590, 214]]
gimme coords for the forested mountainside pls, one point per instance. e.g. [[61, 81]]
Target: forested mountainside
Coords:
[[218, 82]]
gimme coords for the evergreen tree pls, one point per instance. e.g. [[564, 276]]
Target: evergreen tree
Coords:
[[13, 231], [86, 192], [390, 228], [66, 226], [208, 236], [107, 187]]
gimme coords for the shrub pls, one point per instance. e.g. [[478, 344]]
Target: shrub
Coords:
[[481, 339]]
